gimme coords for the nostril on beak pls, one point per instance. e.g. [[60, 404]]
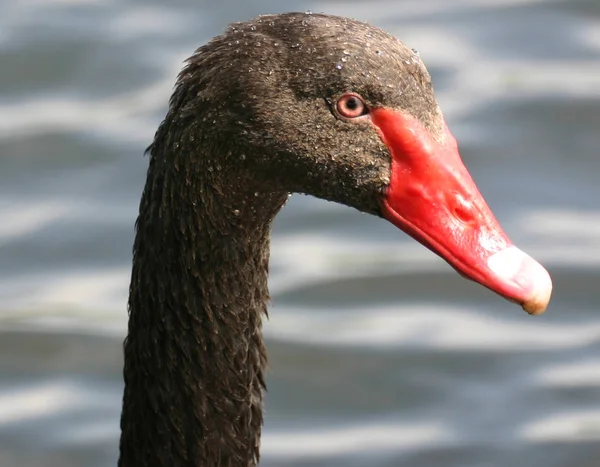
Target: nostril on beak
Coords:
[[463, 210]]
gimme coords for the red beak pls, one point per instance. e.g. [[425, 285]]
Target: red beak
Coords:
[[433, 198]]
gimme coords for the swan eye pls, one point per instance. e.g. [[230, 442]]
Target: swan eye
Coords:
[[351, 106]]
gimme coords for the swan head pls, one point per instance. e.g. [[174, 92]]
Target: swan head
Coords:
[[344, 111]]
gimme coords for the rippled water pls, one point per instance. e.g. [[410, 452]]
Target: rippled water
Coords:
[[380, 354]]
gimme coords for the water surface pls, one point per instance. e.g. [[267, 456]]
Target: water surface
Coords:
[[380, 354]]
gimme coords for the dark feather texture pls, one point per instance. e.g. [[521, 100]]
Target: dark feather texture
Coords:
[[251, 119]]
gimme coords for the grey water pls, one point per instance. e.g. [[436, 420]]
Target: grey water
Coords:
[[380, 354]]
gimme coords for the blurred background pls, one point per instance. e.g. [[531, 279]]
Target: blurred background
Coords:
[[380, 354]]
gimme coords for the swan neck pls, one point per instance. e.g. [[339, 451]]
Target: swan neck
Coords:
[[194, 353]]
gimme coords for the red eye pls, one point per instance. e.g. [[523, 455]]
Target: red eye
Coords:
[[351, 106]]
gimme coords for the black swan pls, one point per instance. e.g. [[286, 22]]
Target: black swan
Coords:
[[304, 103]]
